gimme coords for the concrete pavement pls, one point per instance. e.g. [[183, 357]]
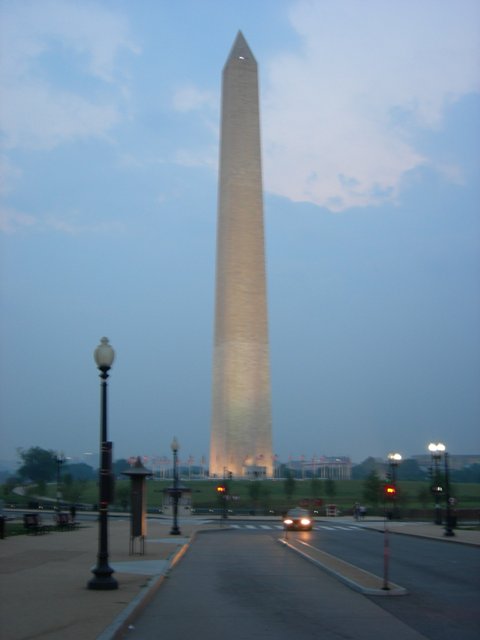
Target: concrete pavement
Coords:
[[43, 578]]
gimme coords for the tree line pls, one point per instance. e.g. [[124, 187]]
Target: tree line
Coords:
[[40, 466]]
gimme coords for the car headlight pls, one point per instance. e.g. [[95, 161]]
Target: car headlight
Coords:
[[288, 521], [305, 522]]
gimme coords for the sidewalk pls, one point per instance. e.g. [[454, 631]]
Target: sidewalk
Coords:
[[43, 578], [420, 529]]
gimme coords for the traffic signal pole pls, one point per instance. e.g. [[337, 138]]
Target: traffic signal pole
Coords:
[[390, 493], [222, 493], [386, 555]]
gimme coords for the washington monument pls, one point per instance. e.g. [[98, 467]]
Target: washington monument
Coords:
[[241, 435]]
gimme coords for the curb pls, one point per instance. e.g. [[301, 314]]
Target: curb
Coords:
[[327, 562], [118, 628], [424, 536]]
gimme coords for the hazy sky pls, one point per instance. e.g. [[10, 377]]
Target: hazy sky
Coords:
[[370, 130]]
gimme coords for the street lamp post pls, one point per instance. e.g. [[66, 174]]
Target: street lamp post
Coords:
[[102, 579], [436, 451], [60, 459], [175, 531], [394, 460], [448, 516]]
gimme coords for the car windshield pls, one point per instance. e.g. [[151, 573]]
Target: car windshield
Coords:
[[298, 513]]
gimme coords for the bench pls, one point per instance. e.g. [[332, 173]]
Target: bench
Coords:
[[62, 521], [33, 523]]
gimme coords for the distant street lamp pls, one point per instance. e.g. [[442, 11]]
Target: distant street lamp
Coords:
[[448, 500], [175, 531], [436, 451], [60, 459], [394, 459], [103, 579]]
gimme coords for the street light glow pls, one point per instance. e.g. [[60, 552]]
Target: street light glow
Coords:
[[175, 446], [104, 355], [395, 457]]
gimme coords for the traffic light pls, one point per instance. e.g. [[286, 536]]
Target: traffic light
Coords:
[[390, 491], [221, 490]]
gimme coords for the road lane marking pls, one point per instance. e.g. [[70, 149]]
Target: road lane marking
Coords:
[[279, 527]]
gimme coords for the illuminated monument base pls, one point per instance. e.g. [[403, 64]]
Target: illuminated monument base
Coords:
[[241, 432]]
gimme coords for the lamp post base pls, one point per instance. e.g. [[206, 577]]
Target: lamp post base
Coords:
[[449, 524], [102, 580], [175, 531]]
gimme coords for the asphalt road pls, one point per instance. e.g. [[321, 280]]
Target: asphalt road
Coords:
[[442, 578], [242, 584]]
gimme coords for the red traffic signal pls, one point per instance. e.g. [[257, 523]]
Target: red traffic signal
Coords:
[[390, 491]]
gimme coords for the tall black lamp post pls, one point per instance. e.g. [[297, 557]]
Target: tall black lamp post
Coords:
[[60, 459], [102, 579], [436, 450], [175, 531]]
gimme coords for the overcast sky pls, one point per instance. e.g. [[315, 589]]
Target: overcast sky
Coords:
[[370, 115]]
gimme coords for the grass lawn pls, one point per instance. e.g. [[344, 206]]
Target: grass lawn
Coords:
[[264, 495]]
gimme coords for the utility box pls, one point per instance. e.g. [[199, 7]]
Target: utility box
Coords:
[[184, 501], [331, 510], [138, 502]]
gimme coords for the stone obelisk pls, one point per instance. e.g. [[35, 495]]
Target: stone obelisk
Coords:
[[241, 434]]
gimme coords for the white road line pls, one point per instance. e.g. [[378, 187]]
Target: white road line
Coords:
[[280, 527]]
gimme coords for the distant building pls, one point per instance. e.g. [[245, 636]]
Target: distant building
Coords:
[[333, 467], [455, 462]]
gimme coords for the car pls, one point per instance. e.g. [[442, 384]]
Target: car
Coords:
[[298, 520]]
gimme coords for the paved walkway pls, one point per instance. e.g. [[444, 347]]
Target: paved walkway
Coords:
[[43, 578]]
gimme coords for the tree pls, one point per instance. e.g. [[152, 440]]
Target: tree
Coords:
[[265, 495], [254, 491], [315, 487], [410, 470], [80, 471], [330, 488], [39, 465], [362, 470], [122, 494], [372, 488], [259, 492], [73, 489], [118, 466], [424, 496], [289, 485], [467, 474], [9, 485]]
